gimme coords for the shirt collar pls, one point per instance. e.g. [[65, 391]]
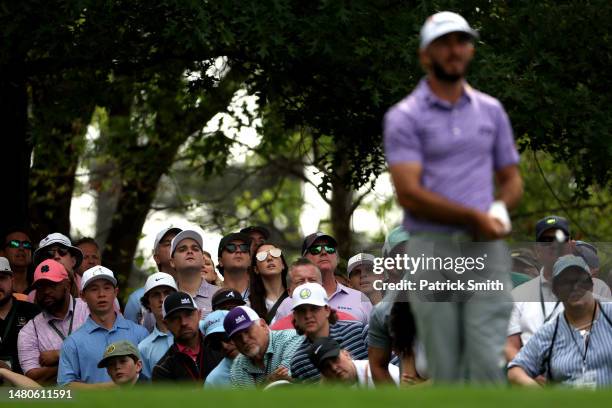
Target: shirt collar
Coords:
[[205, 290], [425, 93], [120, 323], [272, 344], [340, 288], [158, 333]]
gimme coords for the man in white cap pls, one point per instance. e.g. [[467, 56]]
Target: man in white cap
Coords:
[[158, 286], [315, 319], [187, 258], [161, 254], [58, 247], [445, 144], [84, 348]]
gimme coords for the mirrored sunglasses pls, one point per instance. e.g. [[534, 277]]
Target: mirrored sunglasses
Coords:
[[263, 255], [317, 249], [15, 243]]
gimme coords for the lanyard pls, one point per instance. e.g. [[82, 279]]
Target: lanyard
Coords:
[[59, 333], [9, 322], [543, 306], [587, 338]]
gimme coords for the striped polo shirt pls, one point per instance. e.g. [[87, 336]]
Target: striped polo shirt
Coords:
[[351, 335], [566, 364]]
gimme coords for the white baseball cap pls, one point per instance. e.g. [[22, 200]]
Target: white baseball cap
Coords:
[[184, 235], [161, 234], [57, 238], [443, 23], [159, 279], [309, 294], [95, 273], [359, 259], [5, 266]]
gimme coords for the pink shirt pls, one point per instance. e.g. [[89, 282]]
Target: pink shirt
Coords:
[[38, 335]]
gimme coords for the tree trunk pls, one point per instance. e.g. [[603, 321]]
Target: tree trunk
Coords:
[[141, 166], [15, 163], [341, 210]]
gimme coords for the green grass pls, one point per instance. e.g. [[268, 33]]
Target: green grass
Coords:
[[320, 397]]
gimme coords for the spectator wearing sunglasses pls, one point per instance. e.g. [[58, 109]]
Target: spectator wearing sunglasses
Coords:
[[58, 247], [40, 341], [216, 339], [535, 303], [320, 249], [268, 280], [18, 250], [187, 260], [157, 287], [235, 261], [574, 347]]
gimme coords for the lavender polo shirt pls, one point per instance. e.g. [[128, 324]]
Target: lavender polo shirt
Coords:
[[459, 147], [344, 299], [38, 335], [203, 297]]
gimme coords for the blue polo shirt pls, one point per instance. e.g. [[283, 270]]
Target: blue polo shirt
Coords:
[[220, 376], [153, 348], [133, 308], [84, 348]]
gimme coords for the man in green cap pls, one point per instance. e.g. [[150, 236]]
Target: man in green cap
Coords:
[[122, 362]]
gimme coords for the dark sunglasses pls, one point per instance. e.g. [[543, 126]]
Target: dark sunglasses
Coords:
[[231, 248], [15, 243], [51, 252], [316, 249]]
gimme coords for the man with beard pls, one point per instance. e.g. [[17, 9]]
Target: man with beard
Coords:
[[40, 340], [445, 144], [187, 359], [14, 314], [265, 355]]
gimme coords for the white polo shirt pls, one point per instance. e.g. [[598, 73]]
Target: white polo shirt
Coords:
[[533, 308]]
